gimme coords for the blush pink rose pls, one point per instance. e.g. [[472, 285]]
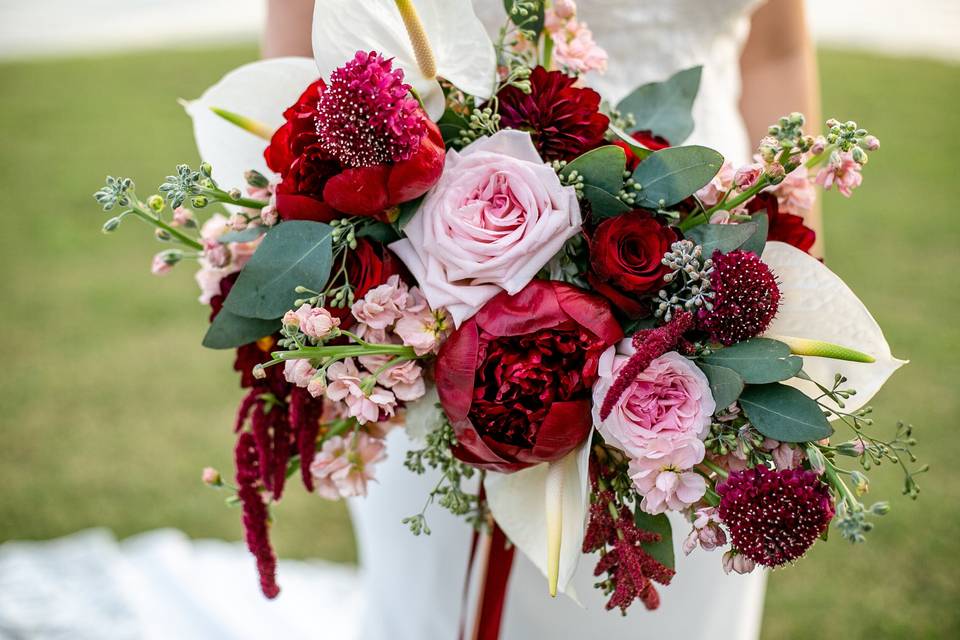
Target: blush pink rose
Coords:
[[495, 218], [670, 401]]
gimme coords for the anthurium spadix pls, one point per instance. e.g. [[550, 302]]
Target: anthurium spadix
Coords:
[[257, 94], [426, 38], [543, 511], [818, 307]]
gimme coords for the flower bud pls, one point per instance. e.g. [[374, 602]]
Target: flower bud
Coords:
[[155, 202], [815, 457], [111, 225], [211, 477], [256, 179], [880, 508], [199, 201], [259, 372], [206, 169], [162, 235], [235, 194], [238, 222], [872, 143]]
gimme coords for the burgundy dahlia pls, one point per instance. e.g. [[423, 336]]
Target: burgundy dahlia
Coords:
[[564, 121], [747, 297], [774, 516]]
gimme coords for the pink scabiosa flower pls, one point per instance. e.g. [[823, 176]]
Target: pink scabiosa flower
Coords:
[[345, 466], [346, 385], [383, 305], [842, 171], [298, 372], [747, 297], [774, 516], [664, 478], [707, 532]]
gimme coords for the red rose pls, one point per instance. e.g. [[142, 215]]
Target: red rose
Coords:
[[784, 227], [625, 259], [333, 162], [515, 378], [647, 139]]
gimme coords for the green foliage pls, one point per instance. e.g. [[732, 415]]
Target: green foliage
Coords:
[[758, 240], [784, 413], [665, 108], [670, 175], [297, 252], [229, 331], [661, 551], [758, 360], [407, 210], [249, 234], [527, 15], [749, 236], [725, 384], [601, 172]]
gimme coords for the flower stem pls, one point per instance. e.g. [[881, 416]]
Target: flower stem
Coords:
[[720, 471], [138, 210], [222, 196]]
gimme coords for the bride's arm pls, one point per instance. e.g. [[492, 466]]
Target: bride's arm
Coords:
[[287, 29], [779, 70]]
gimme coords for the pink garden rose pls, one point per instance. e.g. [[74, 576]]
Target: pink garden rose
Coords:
[[344, 466], [494, 219], [669, 402], [664, 478]]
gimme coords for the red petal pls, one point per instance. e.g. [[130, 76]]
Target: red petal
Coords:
[[293, 207], [359, 192], [455, 378], [412, 178], [566, 426], [532, 308]]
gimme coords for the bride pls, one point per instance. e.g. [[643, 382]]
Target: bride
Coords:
[[414, 585]]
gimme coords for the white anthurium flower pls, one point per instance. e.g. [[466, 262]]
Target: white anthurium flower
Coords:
[[543, 511], [259, 92], [817, 305], [452, 43]]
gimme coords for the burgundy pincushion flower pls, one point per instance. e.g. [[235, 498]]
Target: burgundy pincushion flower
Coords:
[[774, 516], [747, 297], [515, 379], [564, 121]]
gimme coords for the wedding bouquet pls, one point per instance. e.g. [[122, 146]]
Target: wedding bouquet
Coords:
[[582, 323]]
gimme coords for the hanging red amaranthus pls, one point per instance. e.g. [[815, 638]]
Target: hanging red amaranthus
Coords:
[[255, 516]]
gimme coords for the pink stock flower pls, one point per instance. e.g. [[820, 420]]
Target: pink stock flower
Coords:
[[216, 254], [383, 305], [711, 193], [317, 387], [298, 372], [315, 322], [182, 217], [405, 380], [238, 222], [785, 456], [842, 171], [161, 265], [796, 194], [737, 562], [747, 176], [576, 50], [346, 385], [706, 533], [670, 401], [664, 478], [344, 466], [422, 327], [497, 215]]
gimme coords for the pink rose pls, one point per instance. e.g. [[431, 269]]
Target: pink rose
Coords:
[[494, 219], [664, 478], [669, 402]]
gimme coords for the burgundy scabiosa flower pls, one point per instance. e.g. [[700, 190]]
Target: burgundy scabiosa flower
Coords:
[[747, 297], [564, 121], [774, 516]]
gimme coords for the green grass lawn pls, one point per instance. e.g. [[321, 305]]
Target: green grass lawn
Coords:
[[110, 408]]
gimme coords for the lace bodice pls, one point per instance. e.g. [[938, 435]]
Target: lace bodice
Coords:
[[649, 40]]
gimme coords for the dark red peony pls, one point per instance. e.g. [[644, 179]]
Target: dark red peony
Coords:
[[564, 121], [626, 256], [359, 145], [746, 301], [515, 379], [647, 139], [774, 516], [784, 227]]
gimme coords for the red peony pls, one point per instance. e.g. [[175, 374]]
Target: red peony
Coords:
[[515, 378], [626, 256], [647, 139], [333, 161], [784, 227], [564, 121]]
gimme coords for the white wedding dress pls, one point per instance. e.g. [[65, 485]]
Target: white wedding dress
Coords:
[[414, 585]]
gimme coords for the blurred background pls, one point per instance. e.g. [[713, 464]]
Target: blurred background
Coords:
[[109, 408]]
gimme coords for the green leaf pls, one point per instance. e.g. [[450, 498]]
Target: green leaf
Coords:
[[379, 231], [784, 413], [758, 240], [247, 235], [722, 237], [228, 330], [297, 252], [407, 210], [602, 167], [603, 204], [638, 149], [665, 108], [675, 173], [726, 385], [758, 360], [451, 124], [661, 551]]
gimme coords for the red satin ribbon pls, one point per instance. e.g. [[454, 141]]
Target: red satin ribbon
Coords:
[[493, 588]]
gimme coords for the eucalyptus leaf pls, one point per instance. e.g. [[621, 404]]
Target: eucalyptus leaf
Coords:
[[661, 551], [247, 235], [296, 252], [725, 384], [758, 240], [722, 237], [757, 360], [665, 108], [638, 149], [229, 331], [784, 413], [407, 210], [670, 175], [602, 203], [602, 167], [379, 231]]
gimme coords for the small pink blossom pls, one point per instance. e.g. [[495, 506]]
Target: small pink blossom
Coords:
[[842, 171], [345, 385], [711, 193], [564, 9], [872, 143], [576, 50], [383, 305], [737, 562], [208, 279], [405, 380], [315, 322], [747, 176], [796, 194], [345, 466], [707, 532], [317, 387], [211, 477], [182, 217], [298, 372], [238, 222], [421, 327], [216, 254], [785, 456], [664, 478], [818, 146], [161, 265]]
